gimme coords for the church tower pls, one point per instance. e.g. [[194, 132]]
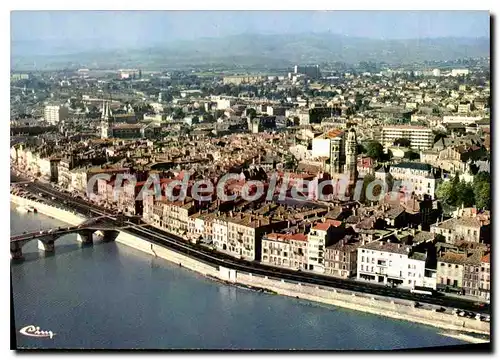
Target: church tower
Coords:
[[351, 158], [106, 130]]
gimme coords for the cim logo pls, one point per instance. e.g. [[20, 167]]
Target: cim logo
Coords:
[[34, 331]]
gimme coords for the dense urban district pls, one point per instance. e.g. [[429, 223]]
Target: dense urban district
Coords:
[[427, 127]]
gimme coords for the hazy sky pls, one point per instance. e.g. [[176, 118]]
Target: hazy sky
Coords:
[[150, 27]]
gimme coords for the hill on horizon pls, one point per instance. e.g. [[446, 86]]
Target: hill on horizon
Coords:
[[248, 50]]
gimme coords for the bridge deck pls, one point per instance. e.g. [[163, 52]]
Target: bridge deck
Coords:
[[69, 230]]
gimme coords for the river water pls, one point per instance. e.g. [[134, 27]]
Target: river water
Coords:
[[110, 296]]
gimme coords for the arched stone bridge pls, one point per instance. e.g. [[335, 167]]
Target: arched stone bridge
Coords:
[[109, 227]]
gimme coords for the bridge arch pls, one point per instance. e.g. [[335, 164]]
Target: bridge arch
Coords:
[[46, 239]]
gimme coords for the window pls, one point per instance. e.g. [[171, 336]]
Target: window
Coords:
[[362, 259]]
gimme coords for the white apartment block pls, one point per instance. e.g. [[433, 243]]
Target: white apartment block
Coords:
[[421, 138], [223, 104], [383, 262], [219, 229], [459, 72], [196, 227], [463, 108], [55, 113], [316, 243], [467, 120], [415, 177]]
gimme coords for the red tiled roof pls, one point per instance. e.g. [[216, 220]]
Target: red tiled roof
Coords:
[[486, 258], [322, 226], [334, 223], [333, 133]]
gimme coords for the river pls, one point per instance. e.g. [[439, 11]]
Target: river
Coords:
[[110, 296]]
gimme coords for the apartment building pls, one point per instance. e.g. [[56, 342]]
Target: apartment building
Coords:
[[285, 250], [53, 114], [196, 227], [321, 236], [420, 137], [63, 170], [484, 284], [470, 229], [219, 229], [341, 257], [385, 262], [126, 131], [464, 108], [382, 262], [416, 177], [245, 232], [450, 271], [472, 274], [178, 215]]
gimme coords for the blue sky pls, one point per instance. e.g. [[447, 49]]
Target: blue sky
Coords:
[[134, 28]]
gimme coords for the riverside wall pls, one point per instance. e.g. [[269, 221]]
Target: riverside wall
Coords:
[[51, 211], [396, 308], [167, 254]]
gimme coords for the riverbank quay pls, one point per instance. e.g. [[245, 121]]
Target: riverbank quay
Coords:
[[393, 308]]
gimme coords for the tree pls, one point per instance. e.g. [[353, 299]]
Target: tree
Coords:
[[251, 113], [482, 190], [178, 113], [209, 118], [361, 149], [375, 150], [412, 155], [482, 195], [465, 194], [402, 142], [444, 194]]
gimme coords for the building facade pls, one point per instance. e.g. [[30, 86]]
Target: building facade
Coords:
[[53, 114], [421, 138]]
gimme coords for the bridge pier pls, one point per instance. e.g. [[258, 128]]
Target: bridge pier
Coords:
[[46, 245], [109, 235], [84, 237], [16, 252]]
